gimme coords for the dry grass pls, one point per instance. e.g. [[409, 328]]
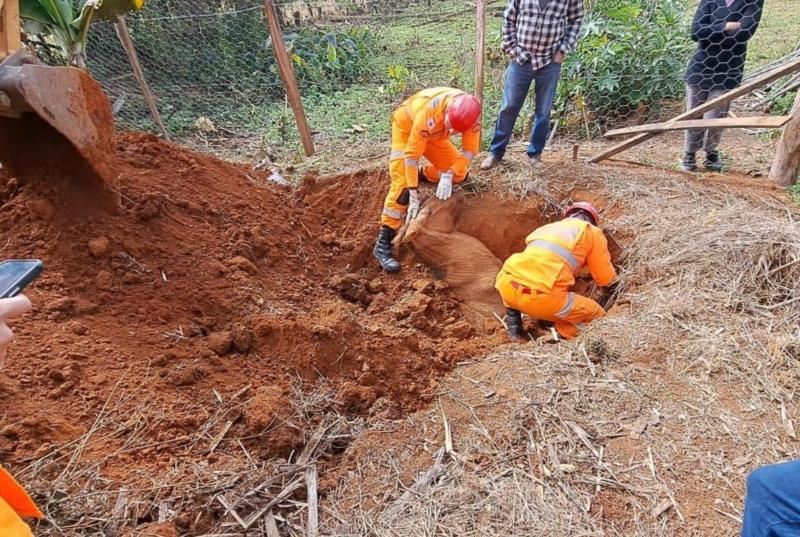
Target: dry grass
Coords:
[[648, 423], [231, 493]]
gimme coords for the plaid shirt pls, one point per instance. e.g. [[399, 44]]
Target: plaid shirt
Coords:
[[534, 34]]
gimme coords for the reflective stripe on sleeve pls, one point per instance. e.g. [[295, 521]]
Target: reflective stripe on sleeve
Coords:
[[394, 155], [468, 154], [412, 162]]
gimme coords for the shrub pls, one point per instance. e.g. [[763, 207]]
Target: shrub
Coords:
[[631, 56]]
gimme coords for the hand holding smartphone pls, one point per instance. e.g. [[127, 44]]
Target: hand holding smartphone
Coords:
[[14, 276]]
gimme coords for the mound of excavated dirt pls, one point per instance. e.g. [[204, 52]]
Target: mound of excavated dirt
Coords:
[[193, 274]]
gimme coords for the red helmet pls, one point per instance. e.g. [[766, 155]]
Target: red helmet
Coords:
[[463, 112], [586, 207]]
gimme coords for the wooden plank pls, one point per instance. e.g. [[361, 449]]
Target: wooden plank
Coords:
[[9, 28], [764, 122], [312, 529], [786, 165], [286, 71], [130, 51], [698, 111]]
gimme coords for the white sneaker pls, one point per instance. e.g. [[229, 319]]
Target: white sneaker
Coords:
[[490, 162]]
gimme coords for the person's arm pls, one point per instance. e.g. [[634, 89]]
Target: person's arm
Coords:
[[470, 144], [510, 15], [599, 259], [704, 27], [415, 146], [750, 20], [573, 29]]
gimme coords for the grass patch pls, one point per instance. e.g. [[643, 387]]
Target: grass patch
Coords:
[[794, 191], [778, 34]]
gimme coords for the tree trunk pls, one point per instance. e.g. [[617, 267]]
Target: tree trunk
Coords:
[[786, 165]]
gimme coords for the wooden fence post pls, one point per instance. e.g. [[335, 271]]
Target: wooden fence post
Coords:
[[786, 165], [287, 76], [480, 51], [130, 51], [9, 27]]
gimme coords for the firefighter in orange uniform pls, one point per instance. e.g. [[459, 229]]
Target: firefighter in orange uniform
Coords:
[[422, 126], [537, 281], [15, 503]]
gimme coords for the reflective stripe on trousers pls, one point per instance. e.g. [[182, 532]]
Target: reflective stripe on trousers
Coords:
[[567, 307], [559, 250], [393, 214]]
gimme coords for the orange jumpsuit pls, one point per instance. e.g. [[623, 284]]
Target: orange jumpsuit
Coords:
[[537, 281], [418, 129], [15, 503]]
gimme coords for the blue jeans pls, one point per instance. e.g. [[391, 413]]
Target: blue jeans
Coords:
[[518, 82], [772, 503]]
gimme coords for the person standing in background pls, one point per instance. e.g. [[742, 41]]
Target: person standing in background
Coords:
[[721, 29], [537, 35]]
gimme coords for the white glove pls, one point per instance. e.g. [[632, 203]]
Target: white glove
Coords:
[[413, 205], [445, 188]]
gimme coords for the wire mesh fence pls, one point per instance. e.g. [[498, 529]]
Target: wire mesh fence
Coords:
[[211, 65]]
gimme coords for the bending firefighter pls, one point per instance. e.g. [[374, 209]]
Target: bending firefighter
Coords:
[[537, 281], [422, 126]]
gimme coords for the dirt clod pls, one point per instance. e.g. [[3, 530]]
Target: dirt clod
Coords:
[[221, 342], [98, 246]]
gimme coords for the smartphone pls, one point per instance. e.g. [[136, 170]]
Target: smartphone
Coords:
[[15, 274]]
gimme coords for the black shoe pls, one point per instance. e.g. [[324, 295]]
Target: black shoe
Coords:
[[713, 161], [689, 163], [514, 324], [383, 250]]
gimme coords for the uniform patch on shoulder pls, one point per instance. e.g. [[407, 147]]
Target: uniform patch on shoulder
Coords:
[[431, 123]]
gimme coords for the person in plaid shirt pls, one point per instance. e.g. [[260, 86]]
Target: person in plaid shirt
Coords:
[[537, 35]]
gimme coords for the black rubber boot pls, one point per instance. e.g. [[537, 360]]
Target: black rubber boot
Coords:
[[514, 323], [383, 250], [689, 163], [713, 161]]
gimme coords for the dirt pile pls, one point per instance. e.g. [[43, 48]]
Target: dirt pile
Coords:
[[193, 273]]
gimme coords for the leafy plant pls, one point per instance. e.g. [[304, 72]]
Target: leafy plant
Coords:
[[398, 79], [630, 57], [68, 23]]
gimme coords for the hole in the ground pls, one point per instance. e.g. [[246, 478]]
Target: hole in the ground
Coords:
[[466, 241]]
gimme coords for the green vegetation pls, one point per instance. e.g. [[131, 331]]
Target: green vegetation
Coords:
[[209, 59], [67, 22], [794, 191], [783, 105], [631, 57], [778, 34]]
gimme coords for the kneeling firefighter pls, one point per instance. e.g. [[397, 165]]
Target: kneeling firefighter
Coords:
[[422, 126], [537, 281]]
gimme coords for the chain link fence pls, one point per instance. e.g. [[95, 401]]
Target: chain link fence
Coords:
[[211, 66]]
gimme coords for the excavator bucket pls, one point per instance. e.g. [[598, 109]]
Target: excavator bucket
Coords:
[[54, 119]]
